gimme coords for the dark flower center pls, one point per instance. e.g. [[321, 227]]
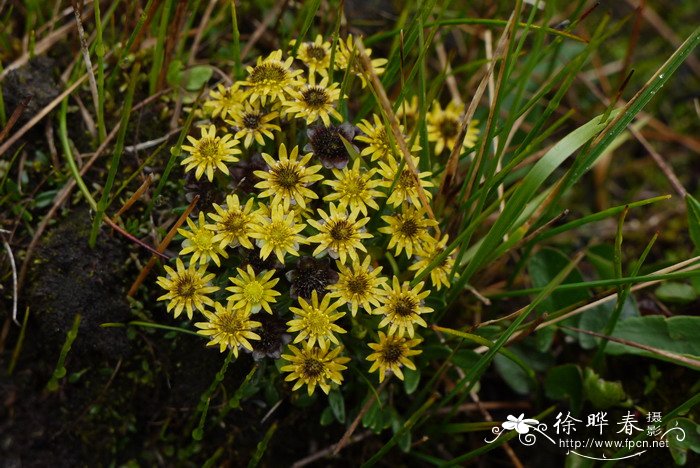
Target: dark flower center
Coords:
[[449, 127], [405, 307], [316, 52], [185, 286], [409, 227], [341, 231], [392, 353], [358, 284], [251, 120], [315, 97], [230, 324], [268, 72], [287, 176], [406, 179], [208, 147], [312, 368], [233, 222]]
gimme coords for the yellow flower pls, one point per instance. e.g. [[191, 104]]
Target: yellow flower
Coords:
[[286, 180], [443, 127], [408, 230], [314, 101], [254, 124], [199, 241], [315, 321], [347, 55], [316, 55], [339, 233], [278, 232], [271, 78], [358, 286], [229, 328], [407, 184], [402, 308], [391, 353], [252, 292], [354, 188], [232, 223], [313, 366], [187, 288], [210, 152], [378, 141], [440, 273], [224, 101]]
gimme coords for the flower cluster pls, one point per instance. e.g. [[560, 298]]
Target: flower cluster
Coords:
[[297, 247]]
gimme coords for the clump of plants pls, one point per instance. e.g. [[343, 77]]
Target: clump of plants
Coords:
[[317, 253]]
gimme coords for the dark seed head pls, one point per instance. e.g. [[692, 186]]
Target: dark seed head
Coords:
[[327, 145], [310, 275]]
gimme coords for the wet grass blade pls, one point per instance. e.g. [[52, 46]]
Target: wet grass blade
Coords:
[[116, 155]]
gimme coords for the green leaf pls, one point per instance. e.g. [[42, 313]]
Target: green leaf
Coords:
[[565, 382], [326, 416], [602, 393], [513, 375], [677, 293], [404, 440], [196, 77], [411, 378], [543, 267], [693, 208], [677, 334], [596, 319], [679, 444], [337, 404]]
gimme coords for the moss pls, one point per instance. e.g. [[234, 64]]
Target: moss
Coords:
[[69, 277]]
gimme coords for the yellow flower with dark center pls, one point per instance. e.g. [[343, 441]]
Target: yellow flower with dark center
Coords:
[[187, 288], [408, 230], [339, 233], [408, 184], [312, 366], [271, 78], [254, 124], [348, 55], [229, 328], [252, 292], [402, 307], [225, 101], [210, 152], [278, 232], [440, 273], [391, 353], [443, 127], [358, 286], [315, 321], [354, 188], [314, 101], [232, 223], [287, 179], [378, 140], [199, 241], [316, 55]]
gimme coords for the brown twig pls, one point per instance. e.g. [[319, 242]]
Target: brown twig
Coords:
[[43, 113], [161, 247], [137, 194], [633, 344], [328, 451], [665, 168], [14, 117], [348, 433], [393, 123], [65, 192]]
